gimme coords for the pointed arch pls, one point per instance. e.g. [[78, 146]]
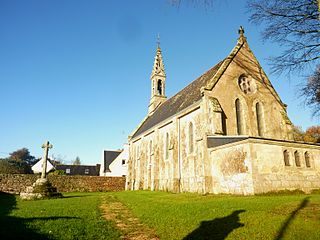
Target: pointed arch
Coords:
[[286, 158], [239, 117], [191, 138], [150, 148], [167, 146], [307, 159], [297, 159], [260, 120], [159, 87]]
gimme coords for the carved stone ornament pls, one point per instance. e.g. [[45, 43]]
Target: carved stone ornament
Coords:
[[247, 84]]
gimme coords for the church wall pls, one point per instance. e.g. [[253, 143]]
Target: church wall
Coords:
[[231, 170], [153, 162], [192, 163], [275, 123], [271, 174], [174, 169]]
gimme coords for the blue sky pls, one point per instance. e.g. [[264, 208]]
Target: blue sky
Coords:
[[77, 72]]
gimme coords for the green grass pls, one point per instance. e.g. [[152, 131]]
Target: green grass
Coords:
[[173, 216], [192, 216], [76, 216]]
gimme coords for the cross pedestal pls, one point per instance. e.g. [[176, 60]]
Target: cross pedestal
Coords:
[[42, 188]]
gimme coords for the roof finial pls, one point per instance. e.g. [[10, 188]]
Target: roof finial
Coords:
[[158, 40], [241, 31]]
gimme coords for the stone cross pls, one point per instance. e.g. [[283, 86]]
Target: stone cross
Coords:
[[46, 147], [241, 31]]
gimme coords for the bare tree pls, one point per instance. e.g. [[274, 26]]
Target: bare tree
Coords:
[[295, 25], [311, 92], [76, 161]]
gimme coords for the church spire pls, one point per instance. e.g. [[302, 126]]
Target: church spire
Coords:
[[158, 79], [158, 66]]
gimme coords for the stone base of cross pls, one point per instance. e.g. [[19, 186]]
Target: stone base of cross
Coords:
[[42, 188]]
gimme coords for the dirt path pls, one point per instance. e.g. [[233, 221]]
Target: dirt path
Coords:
[[132, 229]]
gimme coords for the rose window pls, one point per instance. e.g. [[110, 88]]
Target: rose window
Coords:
[[246, 84]]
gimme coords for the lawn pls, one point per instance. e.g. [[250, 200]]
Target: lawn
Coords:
[[76, 216], [192, 216], [171, 216]]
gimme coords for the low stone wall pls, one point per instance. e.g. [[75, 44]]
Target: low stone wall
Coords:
[[16, 183]]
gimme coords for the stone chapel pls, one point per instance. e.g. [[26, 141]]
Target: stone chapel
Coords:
[[226, 132]]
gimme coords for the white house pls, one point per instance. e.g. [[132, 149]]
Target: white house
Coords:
[[114, 162], [37, 168]]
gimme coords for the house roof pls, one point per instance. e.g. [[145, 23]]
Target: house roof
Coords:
[[93, 170], [108, 158], [183, 99]]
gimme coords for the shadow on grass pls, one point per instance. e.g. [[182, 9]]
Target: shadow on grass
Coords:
[[15, 227], [291, 217], [218, 228]]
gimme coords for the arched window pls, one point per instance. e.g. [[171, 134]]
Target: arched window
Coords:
[[167, 145], [150, 148], [286, 158], [191, 138], [307, 159], [159, 87], [297, 159], [239, 117], [259, 119], [138, 152]]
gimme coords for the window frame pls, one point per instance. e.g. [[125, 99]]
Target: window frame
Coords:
[[286, 158], [191, 141]]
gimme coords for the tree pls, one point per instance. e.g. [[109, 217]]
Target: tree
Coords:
[[19, 161], [77, 161], [8, 167], [298, 133], [312, 134], [295, 25], [22, 155], [311, 91]]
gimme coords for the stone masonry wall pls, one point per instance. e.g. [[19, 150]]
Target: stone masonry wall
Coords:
[[271, 174], [16, 183]]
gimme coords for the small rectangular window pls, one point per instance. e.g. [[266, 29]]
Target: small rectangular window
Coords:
[[68, 171], [123, 161], [86, 171]]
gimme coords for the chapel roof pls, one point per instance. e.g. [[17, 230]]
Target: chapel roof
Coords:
[[192, 93], [183, 99]]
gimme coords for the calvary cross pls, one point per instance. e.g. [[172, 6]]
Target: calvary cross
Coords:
[[46, 147]]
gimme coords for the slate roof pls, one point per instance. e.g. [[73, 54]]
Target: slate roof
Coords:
[[93, 170], [108, 157], [183, 99], [223, 140]]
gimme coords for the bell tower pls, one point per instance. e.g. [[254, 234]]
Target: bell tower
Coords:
[[158, 81]]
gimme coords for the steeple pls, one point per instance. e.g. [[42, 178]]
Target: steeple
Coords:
[[158, 79]]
